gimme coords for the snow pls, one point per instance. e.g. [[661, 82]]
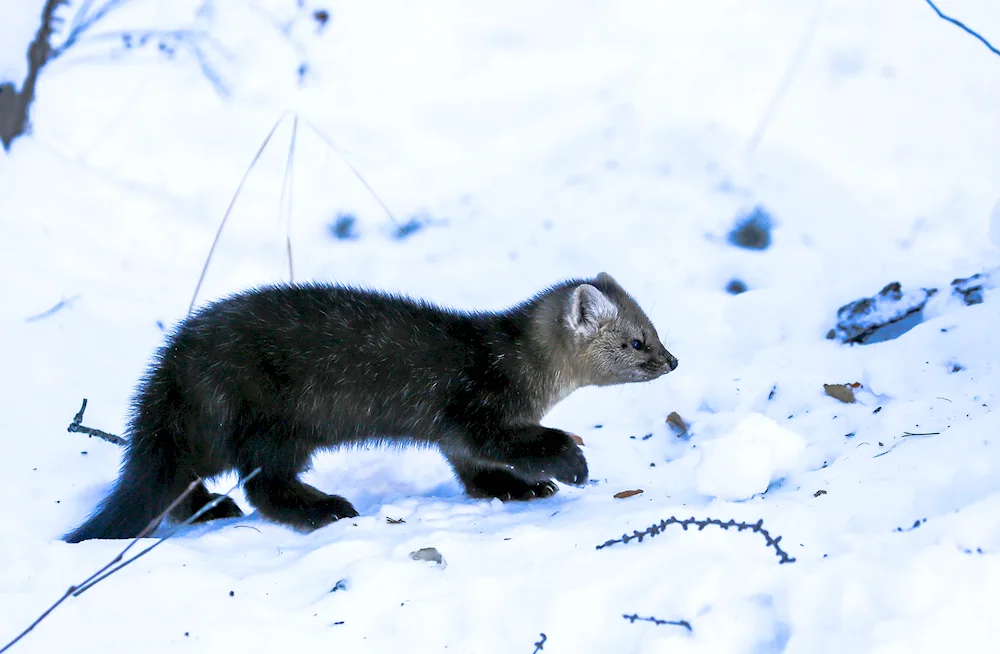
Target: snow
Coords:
[[744, 461], [543, 141]]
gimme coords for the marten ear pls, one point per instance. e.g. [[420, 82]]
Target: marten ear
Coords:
[[605, 278], [589, 309]]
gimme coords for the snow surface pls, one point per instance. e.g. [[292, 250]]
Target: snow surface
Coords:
[[744, 461], [542, 140]]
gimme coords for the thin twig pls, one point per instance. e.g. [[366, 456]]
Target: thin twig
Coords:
[[77, 427], [677, 623], [229, 209], [110, 568], [197, 514], [62, 304], [329, 143], [964, 27], [540, 645], [786, 82], [287, 188], [81, 22], [75, 589], [199, 43], [336, 150]]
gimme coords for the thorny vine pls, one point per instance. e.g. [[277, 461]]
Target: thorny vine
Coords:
[[656, 529]]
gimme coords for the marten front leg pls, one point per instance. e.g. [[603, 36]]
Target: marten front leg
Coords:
[[490, 481], [532, 453]]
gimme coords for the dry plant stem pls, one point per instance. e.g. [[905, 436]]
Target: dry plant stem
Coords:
[[786, 82], [110, 568], [333, 146], [229, 209], [92, 581], [225, 218], [287, 187], [97, 576]]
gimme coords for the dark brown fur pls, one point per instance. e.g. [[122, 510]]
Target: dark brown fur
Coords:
[[267, 377]]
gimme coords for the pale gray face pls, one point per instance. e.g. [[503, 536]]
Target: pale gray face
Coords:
[[617, 341]]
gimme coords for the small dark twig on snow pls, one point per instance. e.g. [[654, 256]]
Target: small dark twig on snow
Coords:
[[540, 645], [62, 304], [677, 623], [75, 426]]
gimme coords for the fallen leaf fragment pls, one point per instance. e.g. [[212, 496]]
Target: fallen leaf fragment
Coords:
[[576, 439], [629, 493], [677, 423], [842, 392]]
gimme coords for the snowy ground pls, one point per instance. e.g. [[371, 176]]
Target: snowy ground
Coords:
[[544, 140]]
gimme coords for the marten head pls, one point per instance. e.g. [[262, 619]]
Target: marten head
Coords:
[[614, 342]]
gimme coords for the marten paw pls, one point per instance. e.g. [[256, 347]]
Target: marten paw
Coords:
[[327, 511], [505, 486], [563, 461], [570, 467], [227, 508], [541, 490]]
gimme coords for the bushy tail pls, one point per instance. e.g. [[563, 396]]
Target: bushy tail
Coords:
[[150, 478]]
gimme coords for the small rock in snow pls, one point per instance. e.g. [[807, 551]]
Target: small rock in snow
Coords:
[[868, 320], [428, 554]]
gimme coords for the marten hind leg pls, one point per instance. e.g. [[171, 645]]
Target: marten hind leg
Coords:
[[296, 504], [198, 498], [282, 452]]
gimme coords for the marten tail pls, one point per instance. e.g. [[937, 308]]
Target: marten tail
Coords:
[[152, 475], [148, 483]]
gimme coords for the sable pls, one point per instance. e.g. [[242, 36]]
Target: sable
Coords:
[[263, 379]]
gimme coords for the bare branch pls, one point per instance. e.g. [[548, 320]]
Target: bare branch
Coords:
[[964, 27], [110, 568], [82, 22], [98, 576], [77, 427], [14, 103], [199, 43]]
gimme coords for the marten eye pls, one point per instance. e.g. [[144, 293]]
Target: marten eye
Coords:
[[636, 344]]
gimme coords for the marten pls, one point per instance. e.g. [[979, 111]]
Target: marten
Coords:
[[264, 378]]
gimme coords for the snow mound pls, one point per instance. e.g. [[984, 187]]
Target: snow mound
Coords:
[[748, 458]]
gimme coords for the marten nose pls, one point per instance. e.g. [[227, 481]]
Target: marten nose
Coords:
[[670, 359]]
